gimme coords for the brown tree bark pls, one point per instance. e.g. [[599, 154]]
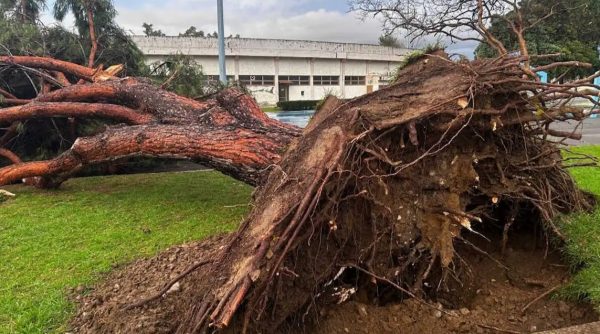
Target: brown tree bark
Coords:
[[92, 28], [74, 109], [242, 153], [51, 64], [7, 94], [227, 131], [10, 156]]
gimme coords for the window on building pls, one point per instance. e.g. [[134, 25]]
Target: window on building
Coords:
[[257, 80], [326, 80], [215, 78], [385, 81], [295, 80], [354, 80]]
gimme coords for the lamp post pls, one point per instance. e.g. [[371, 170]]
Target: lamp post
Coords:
[[221, 28]]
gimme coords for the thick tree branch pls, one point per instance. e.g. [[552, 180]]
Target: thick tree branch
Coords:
[[13, 102], [564, 64], [51, 65], [7, 94], [490, 38], [243, 153], [11, 156], [74, 109]]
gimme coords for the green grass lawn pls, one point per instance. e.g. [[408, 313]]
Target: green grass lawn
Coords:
[[583, 236], [51, 241], [270, 109]]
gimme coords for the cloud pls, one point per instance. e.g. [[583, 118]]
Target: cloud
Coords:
[[258, 19], [299, 19]]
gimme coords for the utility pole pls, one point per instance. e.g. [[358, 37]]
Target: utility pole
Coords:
[[222, 70]]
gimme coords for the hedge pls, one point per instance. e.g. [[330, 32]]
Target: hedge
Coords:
[[298, 105]]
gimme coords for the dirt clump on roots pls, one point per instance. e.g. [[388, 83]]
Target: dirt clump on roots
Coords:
[[388, 190]]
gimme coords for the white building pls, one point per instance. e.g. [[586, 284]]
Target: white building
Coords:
[[281, 70]]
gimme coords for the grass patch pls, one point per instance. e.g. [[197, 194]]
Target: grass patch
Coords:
[[583, 236], [51, 241], [270, 109], [415, 56]]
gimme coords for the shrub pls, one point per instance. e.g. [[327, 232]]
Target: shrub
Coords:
[[298, 105]]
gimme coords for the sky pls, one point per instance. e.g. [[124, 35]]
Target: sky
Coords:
[[323, 20]]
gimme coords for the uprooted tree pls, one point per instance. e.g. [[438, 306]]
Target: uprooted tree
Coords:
[[382, 186]]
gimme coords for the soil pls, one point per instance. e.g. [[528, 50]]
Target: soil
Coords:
[[490, 302], [489, 298]]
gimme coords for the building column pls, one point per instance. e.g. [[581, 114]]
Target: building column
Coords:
[[311, 80], [276, 66], [368, 77], [342, 76], [236, 65]]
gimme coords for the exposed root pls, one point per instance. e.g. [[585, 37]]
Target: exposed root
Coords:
[[538, 298], [364, 198]]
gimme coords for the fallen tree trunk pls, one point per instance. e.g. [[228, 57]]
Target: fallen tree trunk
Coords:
[[227, 131], [241, 153]]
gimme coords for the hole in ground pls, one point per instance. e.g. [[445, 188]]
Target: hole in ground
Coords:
[[487, 292]]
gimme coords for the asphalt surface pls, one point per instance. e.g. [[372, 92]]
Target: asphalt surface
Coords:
[[590, 130], [590, 127]]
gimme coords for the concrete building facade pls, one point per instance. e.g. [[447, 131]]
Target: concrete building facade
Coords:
[[284, 70]]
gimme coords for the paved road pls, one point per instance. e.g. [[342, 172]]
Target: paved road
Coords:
[[590, 130]]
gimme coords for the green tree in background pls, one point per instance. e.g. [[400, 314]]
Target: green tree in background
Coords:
[[192, 32], [390, 40], [23, 10], [149, 30], [102, 39], [568, 27], [180, 74], [89, 16]]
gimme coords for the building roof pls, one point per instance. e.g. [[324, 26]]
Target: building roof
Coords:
[[256, 47]]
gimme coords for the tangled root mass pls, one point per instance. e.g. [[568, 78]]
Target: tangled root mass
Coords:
[[384, 186]]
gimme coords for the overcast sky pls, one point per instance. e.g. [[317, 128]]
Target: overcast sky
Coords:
[[324, 20]]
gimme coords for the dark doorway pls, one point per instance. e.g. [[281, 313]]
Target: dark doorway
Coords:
[[284, 92]]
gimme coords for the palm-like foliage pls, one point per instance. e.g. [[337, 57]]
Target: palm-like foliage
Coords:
[[93, 18], [24, 10], [103, 13], [571, 30]]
